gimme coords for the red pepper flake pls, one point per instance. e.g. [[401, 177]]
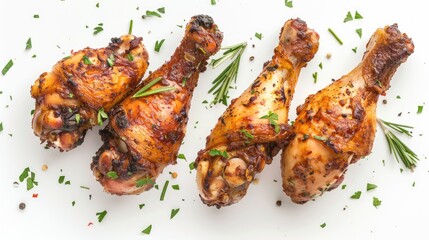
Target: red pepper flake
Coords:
[[35, 195], [90, 224]]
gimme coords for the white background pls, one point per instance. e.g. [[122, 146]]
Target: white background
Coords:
[[61, 28]]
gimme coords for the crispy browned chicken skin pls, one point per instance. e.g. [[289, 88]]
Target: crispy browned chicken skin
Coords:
[[336, 126], [243, 140], [69, 97], [144, 134]]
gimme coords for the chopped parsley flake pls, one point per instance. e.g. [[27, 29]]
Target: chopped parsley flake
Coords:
[[356, 195], [144, 181], [419, 109], [192, 166], [86, 60], [112, 175], [216, 152], [158, 45], [181, 156], [147, 230], [258, 36], [358, 16], [370, 186], [28, 44], [323, 225], [272, 118], [151, 14], [348, 17], [7, 67], [1, 126], [101, 115], [161, 10], [174, 212], [315, 77], [175, 187], [359, 32], [98, 29], [289, 3], [354, 49], [30, 178], [376, 202], [36, 16], [61, 179], [101, 215], [141, 206]]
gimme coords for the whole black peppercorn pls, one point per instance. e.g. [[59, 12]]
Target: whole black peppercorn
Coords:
[[21, 206]]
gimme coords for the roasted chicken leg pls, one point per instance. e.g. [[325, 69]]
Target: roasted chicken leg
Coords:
[[144, 134], [254, 127], [336, 126], [69, 97]]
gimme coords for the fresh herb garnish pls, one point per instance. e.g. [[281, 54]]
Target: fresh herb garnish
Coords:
[[348, 17], [61, 179], [1, 126], [315, 77], [98, 29], [84, 187], [152, 14], [161, 10], [174, 212], [73, 203], [370, 186], [222, 83], [130, 29], [141, 206], [30, 178], [213, 2], [320, 138], [289, 3], [399, 149], [354, 49], [101, 215], [158, 45], [86, 60], [130, 57], [97, 5], [359, 32], [144, 91], [258, 36], [323, 225], [175, 187], [7, 67], [77, 118], [111, 60], [101, 116], [147, 230], [272, 117], [320, 66], [335, 36], [28, 44], [357, 15], [419, 109], [356, 195], [164, 190], [144, 181], [36, 16], [216, 152], [247, 134], [112, 175], [181, 156], [192, 166], [376, 202]]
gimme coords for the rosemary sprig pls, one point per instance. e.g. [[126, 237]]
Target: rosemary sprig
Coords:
[[144, 91], [222, 83], [399, 149]]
